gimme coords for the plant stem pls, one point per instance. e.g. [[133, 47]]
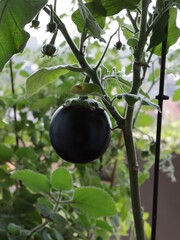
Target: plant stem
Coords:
[[14, 106], [133, 22], [127, 130], [134, 184], [43, 225], [142, 32], [36, 229]]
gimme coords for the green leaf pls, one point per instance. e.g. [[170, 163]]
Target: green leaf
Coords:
[[43, 103], [5, 154], [90, 16], [159, 35], [36, 182], [26, 152], [57, 234], [93, 201], [147, 102], [45, 201], [132, 42], [104, 225], [43, 209], [97, 11], [176, 95], [127, 86], [144, 120], [43, 77], [115, 6], [61, 179], [14, 15], [87, 89]]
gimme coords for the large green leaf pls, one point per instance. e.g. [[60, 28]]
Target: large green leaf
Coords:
[[35, 181], [14, 15], [159, 35], [26, 153], [92, 15], [41, 78], [93, 201], [115, 6], [61, 179]]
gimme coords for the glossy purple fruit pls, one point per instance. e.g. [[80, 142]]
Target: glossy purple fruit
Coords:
[[80, 133]]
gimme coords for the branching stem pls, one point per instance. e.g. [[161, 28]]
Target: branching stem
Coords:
[[158, 17], [134, 23], [127, 130], [43, 225]]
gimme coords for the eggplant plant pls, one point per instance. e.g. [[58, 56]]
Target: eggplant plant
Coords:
[[81, 129]]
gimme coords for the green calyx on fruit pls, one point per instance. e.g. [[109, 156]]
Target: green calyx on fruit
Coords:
[[83, 102], [80, 130]]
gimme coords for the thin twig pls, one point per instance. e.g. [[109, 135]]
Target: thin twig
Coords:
[[104, 53], [42, 226], [113, 177], [55, 5]]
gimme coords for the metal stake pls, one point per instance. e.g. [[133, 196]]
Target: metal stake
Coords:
[[161, 97]]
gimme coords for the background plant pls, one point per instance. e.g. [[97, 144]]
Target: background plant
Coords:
[[26, 120]]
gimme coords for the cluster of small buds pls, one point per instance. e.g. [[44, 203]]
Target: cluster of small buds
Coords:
[[48, 49]]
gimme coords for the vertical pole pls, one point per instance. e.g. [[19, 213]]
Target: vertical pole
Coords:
[[160, 98]]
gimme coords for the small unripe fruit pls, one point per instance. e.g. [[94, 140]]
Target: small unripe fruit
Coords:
[[35, 23], [51, 27], [49, 50]]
